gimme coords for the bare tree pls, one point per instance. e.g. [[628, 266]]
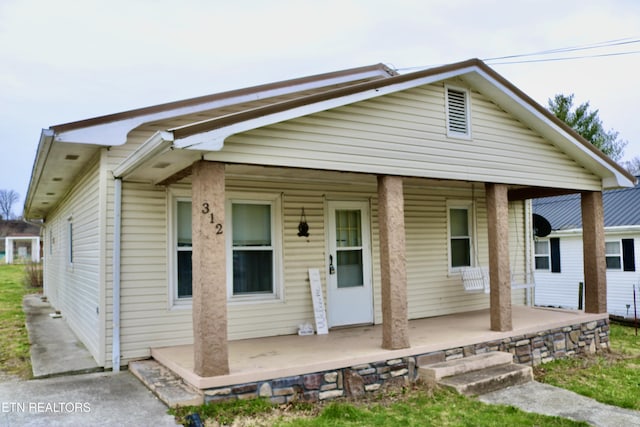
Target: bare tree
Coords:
[[633, 165], [7, 199]]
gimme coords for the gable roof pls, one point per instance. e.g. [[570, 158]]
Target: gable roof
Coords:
[[621, 208], [205, 123], [65, 150]]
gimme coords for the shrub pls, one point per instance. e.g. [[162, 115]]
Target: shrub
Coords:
[[33, 275]]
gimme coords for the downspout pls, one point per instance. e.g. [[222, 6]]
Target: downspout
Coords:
[[117, 207]]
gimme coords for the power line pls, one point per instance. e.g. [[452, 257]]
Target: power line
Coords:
[[598, 45], [566, 58]]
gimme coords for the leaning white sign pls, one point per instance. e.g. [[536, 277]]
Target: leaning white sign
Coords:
[[318, 301]]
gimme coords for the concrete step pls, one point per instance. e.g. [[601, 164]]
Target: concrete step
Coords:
[[169, 388], [489, 379], [435, 372]]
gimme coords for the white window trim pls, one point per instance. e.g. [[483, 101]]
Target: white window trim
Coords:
[[547, 255], [276, 235], [470, 206], [180, 194], [619, 255], [175, 196], [467, 99]]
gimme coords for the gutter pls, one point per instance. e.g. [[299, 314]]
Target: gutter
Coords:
[[117, 209], [44, 147]]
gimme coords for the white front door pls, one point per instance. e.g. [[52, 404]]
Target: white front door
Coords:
[[349, 289]]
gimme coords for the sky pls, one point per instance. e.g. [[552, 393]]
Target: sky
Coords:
[[68, 60]]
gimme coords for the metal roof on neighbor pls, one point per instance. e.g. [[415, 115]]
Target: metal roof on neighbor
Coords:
[[621, 207]]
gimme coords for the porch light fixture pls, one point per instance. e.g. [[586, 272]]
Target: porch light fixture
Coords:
[[303, 227]]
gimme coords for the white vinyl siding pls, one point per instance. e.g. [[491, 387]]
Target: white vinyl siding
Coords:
[[405, 134], [147, 320], [72, 273]]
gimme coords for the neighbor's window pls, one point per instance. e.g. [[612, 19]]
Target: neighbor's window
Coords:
[[613, 255], [252, 247], [542, 254], [460, 238]]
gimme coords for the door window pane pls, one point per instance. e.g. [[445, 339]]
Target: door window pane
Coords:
[[348, 228], [349, 268]]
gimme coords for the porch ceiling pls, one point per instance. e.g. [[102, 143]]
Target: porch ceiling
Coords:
[[274, 357]]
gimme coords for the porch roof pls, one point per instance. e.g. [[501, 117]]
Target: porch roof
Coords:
[[283, 356], [182, 145]]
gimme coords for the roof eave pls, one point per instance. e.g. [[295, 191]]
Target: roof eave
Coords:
[[44, 146]]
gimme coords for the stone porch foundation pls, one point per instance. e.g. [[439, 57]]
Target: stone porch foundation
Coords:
[[356, 381]]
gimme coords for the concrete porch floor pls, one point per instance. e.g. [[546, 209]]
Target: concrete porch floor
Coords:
[[283, 356]]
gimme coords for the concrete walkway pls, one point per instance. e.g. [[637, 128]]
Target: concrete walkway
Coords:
[[98, 399], [55, 350], [549, 400], [58, 398]]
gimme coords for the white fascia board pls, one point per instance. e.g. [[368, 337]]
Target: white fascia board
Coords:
[[214, 140], [157, 144], [42, 153], [614, 180], [620, 229], [115, 133]]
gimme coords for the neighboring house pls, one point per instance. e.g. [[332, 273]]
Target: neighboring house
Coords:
[[184, 223], [19, 242], [558, 257]]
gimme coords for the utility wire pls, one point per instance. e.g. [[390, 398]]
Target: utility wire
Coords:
[[598, 45]]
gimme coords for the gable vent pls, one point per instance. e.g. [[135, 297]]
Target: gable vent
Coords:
[[457, 113]]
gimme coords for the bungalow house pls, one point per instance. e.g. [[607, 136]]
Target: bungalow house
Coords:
[[558, 257], [187, 231]]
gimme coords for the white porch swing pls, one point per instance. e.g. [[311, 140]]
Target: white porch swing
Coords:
[[477, 279]]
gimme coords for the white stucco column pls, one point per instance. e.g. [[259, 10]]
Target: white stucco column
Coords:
[[593, 243], [210, 346], [393, 269]]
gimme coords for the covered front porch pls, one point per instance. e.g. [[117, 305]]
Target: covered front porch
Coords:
[[538, 334]]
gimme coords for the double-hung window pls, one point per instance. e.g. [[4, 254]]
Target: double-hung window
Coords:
[[613, 255], [542, 254], [253, 248], [620, 255], [460, 235], [183, 248]]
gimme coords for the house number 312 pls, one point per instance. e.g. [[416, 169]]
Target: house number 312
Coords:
[[206, 210]]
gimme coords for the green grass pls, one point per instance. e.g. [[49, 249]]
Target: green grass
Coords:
[[415, 407], [612, 378], [14, 341]]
